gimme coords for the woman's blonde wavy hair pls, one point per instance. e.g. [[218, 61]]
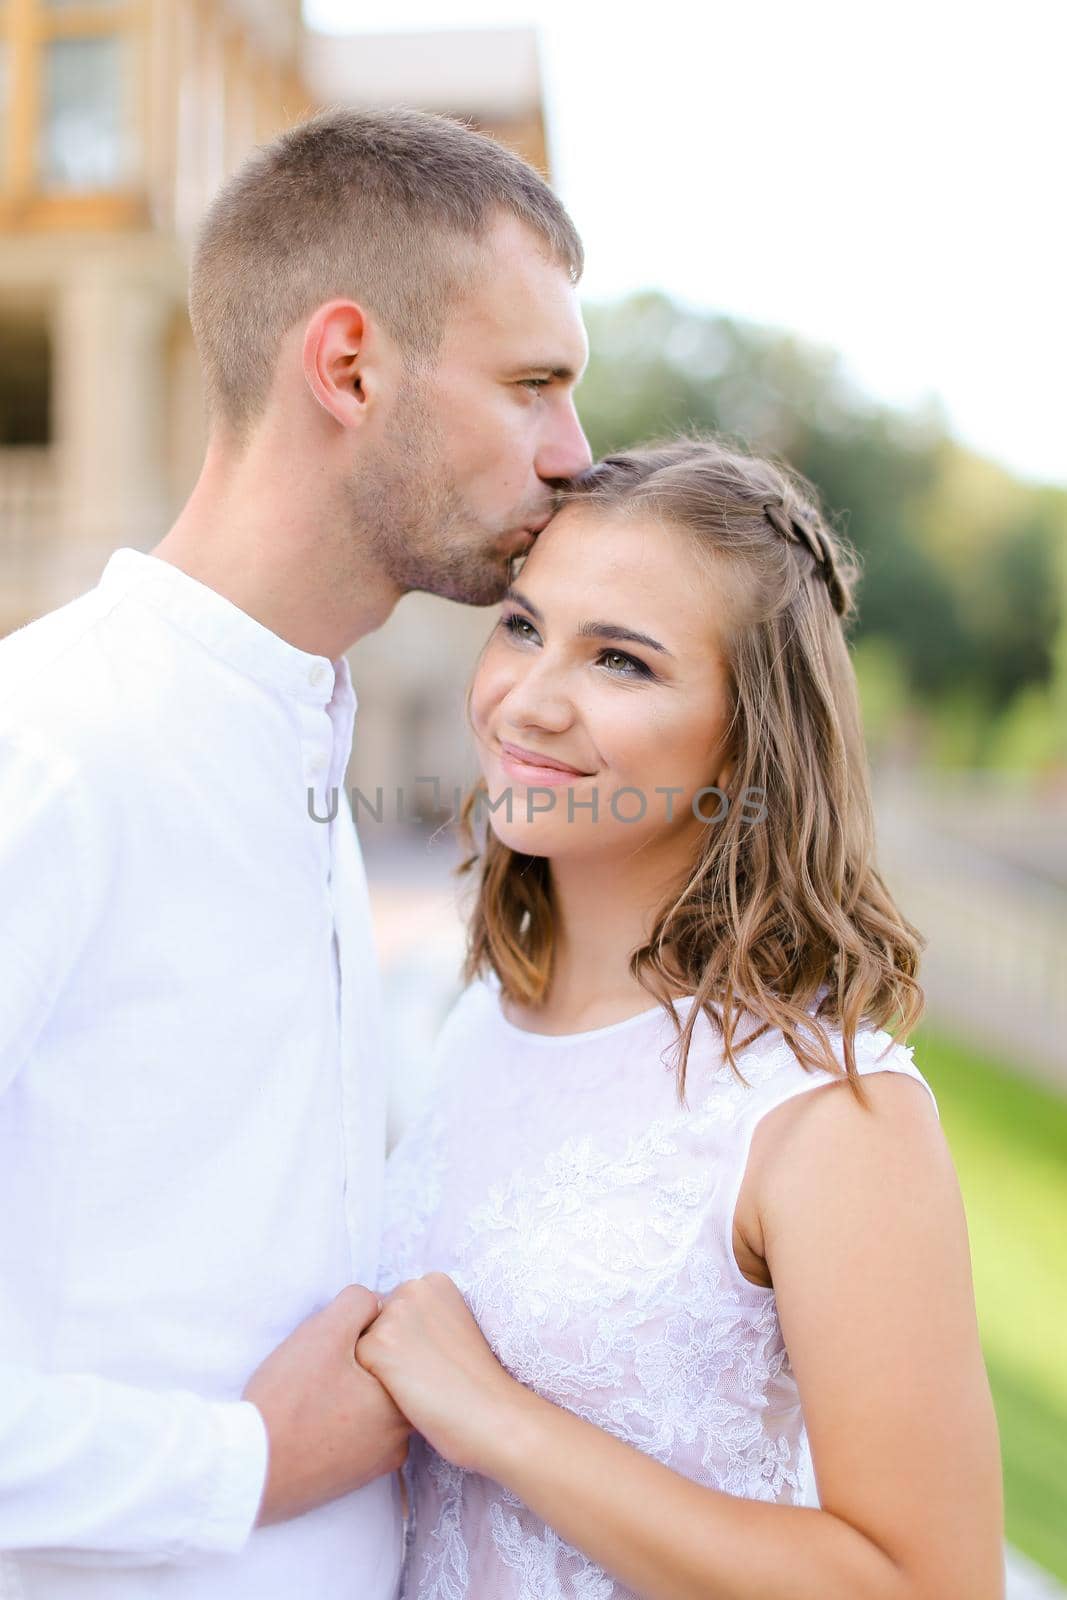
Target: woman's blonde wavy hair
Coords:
[[784, 921]]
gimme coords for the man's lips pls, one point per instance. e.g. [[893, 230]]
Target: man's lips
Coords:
[[528, 533], [528, 764]]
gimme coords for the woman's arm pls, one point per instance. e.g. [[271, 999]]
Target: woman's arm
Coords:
[[864, 1235]]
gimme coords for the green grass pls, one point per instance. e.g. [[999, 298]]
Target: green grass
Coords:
[[1008, 1137]]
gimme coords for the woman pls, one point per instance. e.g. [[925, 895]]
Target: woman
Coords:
[[633, 1269]]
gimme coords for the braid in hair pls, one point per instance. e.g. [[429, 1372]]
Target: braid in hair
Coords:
[[794, 527]]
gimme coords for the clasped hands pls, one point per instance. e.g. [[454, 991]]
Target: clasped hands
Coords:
[[335, 1423], [427, 1350]]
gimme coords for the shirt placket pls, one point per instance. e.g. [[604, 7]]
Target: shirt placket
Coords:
[[327, 761]]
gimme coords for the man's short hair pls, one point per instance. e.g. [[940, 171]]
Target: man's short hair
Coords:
[[367, 205]]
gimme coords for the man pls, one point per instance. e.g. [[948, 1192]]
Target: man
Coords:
[[191, 1079]]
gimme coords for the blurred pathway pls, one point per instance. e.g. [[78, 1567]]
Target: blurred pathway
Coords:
[[966, 867]]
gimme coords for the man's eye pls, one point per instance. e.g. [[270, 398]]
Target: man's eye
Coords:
[[535, 383]]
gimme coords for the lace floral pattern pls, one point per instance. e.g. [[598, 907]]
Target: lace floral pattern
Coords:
[[587, 1219]]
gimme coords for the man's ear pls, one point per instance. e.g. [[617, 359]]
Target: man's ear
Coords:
[[334, 356]]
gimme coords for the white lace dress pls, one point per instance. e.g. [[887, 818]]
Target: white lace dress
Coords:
[[587, 1219]]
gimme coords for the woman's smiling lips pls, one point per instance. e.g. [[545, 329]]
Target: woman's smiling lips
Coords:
[[530, 767]]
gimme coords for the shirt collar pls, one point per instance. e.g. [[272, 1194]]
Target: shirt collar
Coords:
[[226, 630]]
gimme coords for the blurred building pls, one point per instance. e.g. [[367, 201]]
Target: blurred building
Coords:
[[489, 77], [118, 121]]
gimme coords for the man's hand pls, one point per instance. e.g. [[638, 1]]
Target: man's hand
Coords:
[[429, 1352], [331, 1425]]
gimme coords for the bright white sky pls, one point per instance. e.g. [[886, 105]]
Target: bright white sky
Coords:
[[888, 180]]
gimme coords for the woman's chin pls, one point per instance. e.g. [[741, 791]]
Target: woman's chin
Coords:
[[551, 823], [536, 838]]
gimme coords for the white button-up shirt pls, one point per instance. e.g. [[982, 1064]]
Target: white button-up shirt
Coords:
[[192, 1092]]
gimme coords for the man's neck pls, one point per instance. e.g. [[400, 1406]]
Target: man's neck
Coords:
[[270, 542]]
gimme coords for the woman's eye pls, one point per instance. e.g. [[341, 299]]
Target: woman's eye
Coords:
[[517, 626], [617, 662], [626, 666]]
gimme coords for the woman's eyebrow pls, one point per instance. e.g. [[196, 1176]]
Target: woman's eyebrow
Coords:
[[610, 630], [595, 630]]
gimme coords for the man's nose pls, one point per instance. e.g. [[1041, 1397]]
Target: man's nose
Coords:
[[565, 452]]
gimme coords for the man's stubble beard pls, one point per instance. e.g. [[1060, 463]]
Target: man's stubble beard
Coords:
[[409, 508]]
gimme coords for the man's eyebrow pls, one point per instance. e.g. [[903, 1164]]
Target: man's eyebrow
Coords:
[[595, 630], [564, 373]]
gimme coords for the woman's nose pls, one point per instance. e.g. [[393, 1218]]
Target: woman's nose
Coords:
[[539, 700]]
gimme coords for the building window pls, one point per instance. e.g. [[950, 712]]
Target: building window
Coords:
[[82, 113], [25, 381], [70, 122]]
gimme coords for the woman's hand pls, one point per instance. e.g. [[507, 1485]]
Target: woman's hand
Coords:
[[427, 1350]]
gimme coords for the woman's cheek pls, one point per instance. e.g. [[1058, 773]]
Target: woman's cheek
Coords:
[[648, 758], [490, 687]]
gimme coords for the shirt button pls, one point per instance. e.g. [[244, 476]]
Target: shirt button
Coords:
[[317, 765], [318, 676]]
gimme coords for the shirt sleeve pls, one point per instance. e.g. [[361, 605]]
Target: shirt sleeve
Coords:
[[105, 1474], [56, 860], [93, 1471]]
